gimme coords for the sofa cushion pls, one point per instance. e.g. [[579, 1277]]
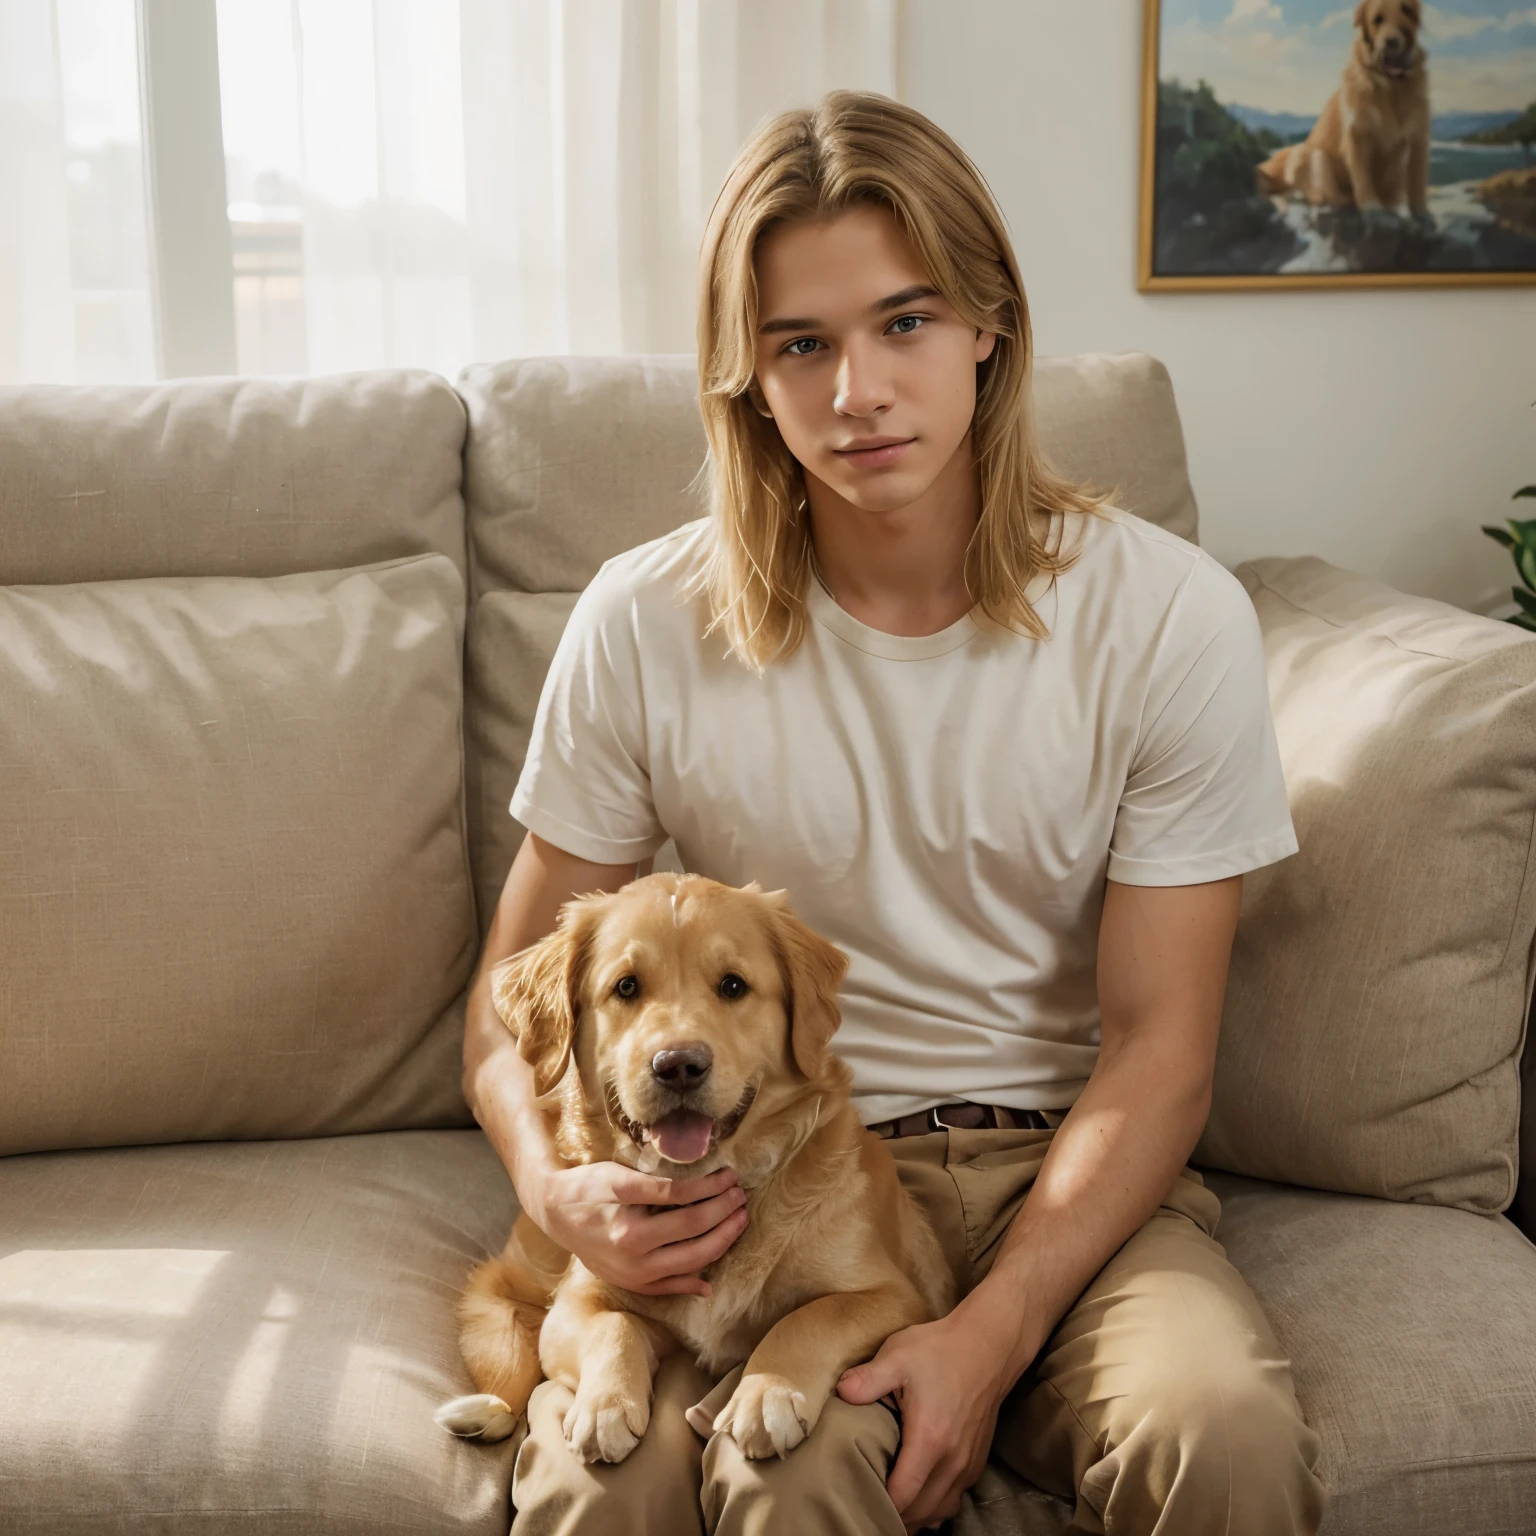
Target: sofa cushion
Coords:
[[1412, 1337], [234, 895], [570, 461], [244, 1338], [228, 477], [1379, 982]]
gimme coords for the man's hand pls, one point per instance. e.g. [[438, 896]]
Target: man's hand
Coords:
[[641, 1233], [950, 1379]]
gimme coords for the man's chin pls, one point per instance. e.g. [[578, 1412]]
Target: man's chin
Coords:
[[882, 492]]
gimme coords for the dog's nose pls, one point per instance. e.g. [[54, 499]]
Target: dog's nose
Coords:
[[683, 1066]]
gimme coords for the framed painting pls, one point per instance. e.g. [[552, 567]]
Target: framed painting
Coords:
[[1324, 143]]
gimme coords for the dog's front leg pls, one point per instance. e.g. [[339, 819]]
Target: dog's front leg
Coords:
[[791, 1374], [1357, 149], [608, 1359], [1418, 175]]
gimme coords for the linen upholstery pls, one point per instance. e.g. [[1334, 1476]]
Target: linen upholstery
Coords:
[[228, 477], [204, 1340], [1412, 1337], [1380, 979], [234, 894], [569, 461]]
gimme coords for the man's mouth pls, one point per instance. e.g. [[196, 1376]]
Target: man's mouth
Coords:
[[683, 1135], [874, 451]]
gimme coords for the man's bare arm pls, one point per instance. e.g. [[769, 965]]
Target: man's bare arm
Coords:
[[498, 1083], [1162, 974]]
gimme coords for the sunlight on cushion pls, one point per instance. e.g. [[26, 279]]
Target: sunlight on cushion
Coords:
[[250, 1383], [102, 1283]]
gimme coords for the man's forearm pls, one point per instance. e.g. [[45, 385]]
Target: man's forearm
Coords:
[[1111, 1162], [498, 1083], [499, 1088]]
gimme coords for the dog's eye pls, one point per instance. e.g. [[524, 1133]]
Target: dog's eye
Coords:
[[732, 987], [627, 986]]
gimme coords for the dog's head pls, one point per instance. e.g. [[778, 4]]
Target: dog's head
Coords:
[[1389, 34], [682, 1002]]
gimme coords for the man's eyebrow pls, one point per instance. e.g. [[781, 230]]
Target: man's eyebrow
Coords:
[[881, 306]]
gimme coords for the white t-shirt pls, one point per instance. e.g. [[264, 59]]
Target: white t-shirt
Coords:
[[945, 808]]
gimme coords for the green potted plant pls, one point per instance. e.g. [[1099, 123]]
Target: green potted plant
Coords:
[[1519, 538]]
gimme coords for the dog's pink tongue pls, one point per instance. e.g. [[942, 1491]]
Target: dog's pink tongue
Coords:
[[682, 1136]]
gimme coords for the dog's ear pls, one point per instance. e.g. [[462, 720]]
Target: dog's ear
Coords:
[[813, 970], [536, 994], [1360, 11]]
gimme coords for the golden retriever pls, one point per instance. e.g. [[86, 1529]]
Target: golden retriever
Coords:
[[1370, 147], [695, 1021]]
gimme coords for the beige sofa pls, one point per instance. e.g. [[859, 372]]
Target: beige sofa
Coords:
[[269, 653]]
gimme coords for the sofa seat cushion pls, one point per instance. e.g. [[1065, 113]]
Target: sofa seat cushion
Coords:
[[244, 1337], [234, 891], [1412, 1336]]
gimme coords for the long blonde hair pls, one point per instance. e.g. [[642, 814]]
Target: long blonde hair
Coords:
[[858, 148]]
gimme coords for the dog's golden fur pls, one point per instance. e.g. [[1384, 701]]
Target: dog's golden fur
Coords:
[[1370, 147], [836, 1255]]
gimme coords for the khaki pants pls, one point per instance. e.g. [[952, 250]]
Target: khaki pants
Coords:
[[1161, 1403]]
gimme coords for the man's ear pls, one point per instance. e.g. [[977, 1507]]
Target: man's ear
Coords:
[[813, 969], [536, 994]]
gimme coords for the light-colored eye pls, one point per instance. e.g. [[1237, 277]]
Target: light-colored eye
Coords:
[[905, 325], [732, 987], [627, 987], [808, 342]]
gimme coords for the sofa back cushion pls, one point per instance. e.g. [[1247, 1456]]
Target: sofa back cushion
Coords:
[[234, 897], [228, 477], [1381, 977], [571, 461]]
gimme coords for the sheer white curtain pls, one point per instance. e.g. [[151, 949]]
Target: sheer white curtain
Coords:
[[408, 182], [508, 177], [74, 273]]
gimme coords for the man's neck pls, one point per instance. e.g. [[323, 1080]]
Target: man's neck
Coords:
[[902, 571]]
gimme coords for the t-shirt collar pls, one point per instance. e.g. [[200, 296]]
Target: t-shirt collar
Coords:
[[825, 610]]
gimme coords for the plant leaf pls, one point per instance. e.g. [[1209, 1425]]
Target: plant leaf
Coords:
[[1525, 563], [1523, 621], [1527, 600], [1500, 535], [1524, 529], [1525, 490]]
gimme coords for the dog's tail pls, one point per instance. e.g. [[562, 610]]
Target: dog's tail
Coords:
[[500, 1315]]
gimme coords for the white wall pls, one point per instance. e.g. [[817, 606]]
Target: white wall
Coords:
[[1375, 428]]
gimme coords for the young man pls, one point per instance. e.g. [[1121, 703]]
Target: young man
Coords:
[[1011, 749]]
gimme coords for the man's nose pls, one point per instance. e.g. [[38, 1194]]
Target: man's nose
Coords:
[[863, 386], [682, 1066]]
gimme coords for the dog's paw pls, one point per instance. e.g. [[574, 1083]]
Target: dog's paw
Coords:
[[480, 1416], [605, 1425], [766, 1416]]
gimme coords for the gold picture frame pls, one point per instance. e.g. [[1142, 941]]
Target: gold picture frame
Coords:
[[1150, 280]]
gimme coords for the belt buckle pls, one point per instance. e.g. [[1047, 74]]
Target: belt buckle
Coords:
[[941, 1125]]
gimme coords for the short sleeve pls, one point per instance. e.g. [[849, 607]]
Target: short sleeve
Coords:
[[585, 785], [1205, 795]]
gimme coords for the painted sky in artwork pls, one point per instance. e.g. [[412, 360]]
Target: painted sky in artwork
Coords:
[[1287, 55]]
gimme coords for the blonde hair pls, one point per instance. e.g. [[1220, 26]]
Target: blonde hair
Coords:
[[859, 148]]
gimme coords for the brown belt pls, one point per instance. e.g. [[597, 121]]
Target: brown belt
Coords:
[[962, 1117]]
